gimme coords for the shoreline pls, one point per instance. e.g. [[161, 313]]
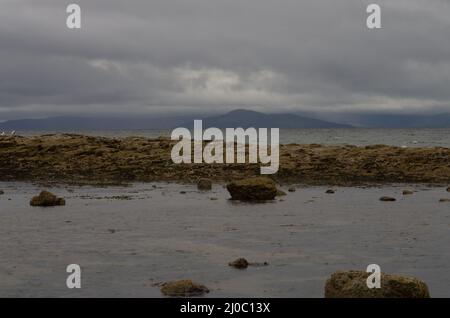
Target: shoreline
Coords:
[[90, 160]]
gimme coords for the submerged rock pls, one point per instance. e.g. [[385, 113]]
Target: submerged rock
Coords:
[[240, 263], [183, 288], [330, 191], [253, 189], [408, 192], [46, 198], [204, 184], [388, 199], [353, 284]]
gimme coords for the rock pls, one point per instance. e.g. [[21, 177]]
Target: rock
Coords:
[[280, 193], [448, 189], [292, 189], [330, 191], [444, 200], [253, 189], [388, 199], [46, 198], [2, 192], [240, 263], [353, 284], [407, 192], [183, 288], [204, 185]]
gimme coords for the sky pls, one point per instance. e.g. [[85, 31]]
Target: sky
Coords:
[[140, 57]]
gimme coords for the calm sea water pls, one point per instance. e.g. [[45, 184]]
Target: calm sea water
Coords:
[[354, 136], [163, 232]]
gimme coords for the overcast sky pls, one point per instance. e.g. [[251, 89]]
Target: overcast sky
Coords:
[[167, 56]]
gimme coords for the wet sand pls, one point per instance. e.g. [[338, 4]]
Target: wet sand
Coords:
[[127, 239]]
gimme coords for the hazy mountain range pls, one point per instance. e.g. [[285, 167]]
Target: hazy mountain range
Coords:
[[236, 118]]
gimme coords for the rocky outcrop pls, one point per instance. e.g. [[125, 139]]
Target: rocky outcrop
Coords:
[[183, 288], [46, 198], [253, 189], [71, 158], [353, 284]]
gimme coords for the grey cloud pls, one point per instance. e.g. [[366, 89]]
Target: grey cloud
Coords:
[[212, 55]]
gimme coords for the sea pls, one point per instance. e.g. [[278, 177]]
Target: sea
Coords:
[[341, 136]]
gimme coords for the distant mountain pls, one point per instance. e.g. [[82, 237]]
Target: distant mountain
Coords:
[[246, 118], [67, 123]]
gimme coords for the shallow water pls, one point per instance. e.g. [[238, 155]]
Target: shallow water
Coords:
[[157, 234]]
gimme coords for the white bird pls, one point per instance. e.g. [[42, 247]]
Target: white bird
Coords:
[[13, 133], [2, 134]]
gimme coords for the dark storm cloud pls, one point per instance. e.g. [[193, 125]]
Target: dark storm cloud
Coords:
[[211, 55]]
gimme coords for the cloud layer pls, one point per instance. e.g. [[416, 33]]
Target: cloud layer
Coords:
[[213, 55]]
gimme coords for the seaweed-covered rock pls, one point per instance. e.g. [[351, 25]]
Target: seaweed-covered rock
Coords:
[[240, 263], [204, 185], [183, 288], [253, 189], [388, 199], [46, 198], [353, 284]]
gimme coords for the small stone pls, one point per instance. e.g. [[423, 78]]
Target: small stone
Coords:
[[182, 192], [183, 288], [2, 192], [240, 263], [330, 191], [407, 192], [292, 189], [204, 185], [46, 198], [444, 200], [388, 199]]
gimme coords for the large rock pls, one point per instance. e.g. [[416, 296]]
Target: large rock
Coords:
[[204, 185], [253, 189], [183, 288], [353, 284], [46, 198]]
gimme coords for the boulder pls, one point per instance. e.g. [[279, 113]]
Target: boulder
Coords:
[[204, 185], [240, 263], [353, 284], [388, 199], [46, 198], [253, 189], [183, 288]]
